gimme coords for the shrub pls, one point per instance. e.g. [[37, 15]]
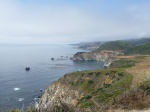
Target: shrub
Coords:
[[84, 99], [133, 99], [146, 87], [90, 81], [87, 104]]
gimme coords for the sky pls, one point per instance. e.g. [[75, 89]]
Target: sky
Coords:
[[72, 21]]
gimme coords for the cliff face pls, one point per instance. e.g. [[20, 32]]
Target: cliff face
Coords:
[[95, 56], [87, 91], [58, 97], [89, 56]]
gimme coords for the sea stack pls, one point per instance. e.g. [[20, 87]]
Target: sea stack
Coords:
[[52, 59], [27, 68]]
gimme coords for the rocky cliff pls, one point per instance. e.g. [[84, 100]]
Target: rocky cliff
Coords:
[[89, 56], [58, 97], [95, 56], [87, 91]]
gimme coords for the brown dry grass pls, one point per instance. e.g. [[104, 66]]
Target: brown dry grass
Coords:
[[127, 57], [133, 99]]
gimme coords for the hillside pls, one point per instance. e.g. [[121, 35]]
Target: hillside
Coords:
[[89, 91], [140, 49], [126, 87], [128, 48], [114, 45]]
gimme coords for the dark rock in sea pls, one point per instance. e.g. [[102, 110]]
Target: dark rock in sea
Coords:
[[27, 68], [39, 96], [41, 90], [52, 59]]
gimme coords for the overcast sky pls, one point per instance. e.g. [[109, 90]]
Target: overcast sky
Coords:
[[70, 21]]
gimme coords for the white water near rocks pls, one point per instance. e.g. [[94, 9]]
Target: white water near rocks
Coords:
[[18, 87]]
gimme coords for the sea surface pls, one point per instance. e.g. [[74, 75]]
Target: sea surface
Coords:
[[19, 88]]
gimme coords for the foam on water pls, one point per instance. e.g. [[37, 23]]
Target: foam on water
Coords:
[[16, 89], [20, 99]]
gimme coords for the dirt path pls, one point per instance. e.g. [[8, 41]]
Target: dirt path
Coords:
[[140, 72]]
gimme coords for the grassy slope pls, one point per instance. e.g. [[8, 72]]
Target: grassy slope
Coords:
[[123, 63], [138, 97], [93, 84]]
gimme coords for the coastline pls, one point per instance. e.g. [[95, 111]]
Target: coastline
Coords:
[[70, 95]]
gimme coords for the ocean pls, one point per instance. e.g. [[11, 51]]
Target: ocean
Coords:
[[18, 87]]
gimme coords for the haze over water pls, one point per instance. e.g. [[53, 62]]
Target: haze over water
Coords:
[[19, 88]]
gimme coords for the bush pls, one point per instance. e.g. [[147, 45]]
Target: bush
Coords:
[[146, 87], [133, 99], [87, 104], [90, 81], [84, 99]]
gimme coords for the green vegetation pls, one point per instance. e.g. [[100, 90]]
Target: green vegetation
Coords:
[[87, 104], [107, 94], [137, 98], [146, 87], [127, 47], [122, 63], [114, 45], [99, 87], [141, 49]]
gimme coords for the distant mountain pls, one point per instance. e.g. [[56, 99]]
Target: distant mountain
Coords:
[[114, 45], [89, 45]]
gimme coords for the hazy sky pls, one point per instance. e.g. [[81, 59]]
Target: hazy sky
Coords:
[[69, 21]]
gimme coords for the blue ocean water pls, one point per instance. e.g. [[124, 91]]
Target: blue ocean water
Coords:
[[19, 88]]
